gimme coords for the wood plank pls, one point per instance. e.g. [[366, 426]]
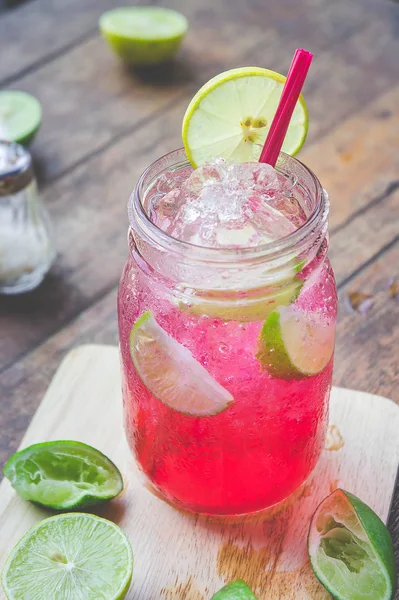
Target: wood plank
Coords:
[[90, 215], [49, 28], [44, 39], [23, 384], [366, 354], [89, 93], [365, 237], [358, 161], [268, 551]]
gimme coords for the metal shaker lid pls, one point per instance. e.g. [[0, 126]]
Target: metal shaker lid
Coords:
[[16, 170]]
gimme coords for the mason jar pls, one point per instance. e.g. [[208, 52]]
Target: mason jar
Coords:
[[226, 353]]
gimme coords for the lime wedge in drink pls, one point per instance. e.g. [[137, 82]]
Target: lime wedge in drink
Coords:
[[172, 374], [70, 557], [350, 549], [295, 344], [63, 475], [237, 590], [20, 116], [143, 35], [230, 117], [217, 306]]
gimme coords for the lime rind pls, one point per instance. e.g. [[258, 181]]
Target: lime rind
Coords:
[[172, 374], [236, 590], [350, 549], [20, 116], [294, 344], [76, 554], [212, 124], [243, 311], [143, 35], [63, 475]]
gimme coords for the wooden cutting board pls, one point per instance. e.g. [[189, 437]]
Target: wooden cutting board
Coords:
[[183, 556]]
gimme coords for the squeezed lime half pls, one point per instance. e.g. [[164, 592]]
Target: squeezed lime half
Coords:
[[63, 475], [230, 117], [143, 35], [236, 590], [350, 549], [73, 556], [20, 116], [172, 374]]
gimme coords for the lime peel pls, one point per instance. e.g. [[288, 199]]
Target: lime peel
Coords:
[[143, 35], [77, 554], [236, 590], [242, 310], [231, 114], [20, 116], [350, 549], [294, 344], [172, 374], [63, 475]]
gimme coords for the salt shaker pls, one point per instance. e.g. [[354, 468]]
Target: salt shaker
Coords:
[[26, 241]]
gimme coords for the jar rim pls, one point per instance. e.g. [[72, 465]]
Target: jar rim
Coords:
[[142, 224]]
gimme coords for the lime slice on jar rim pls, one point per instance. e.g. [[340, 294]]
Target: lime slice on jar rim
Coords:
[[63, 475], [20, 116], [230, 117], [294, 343], [70, 556], [143, 35], [172, 374], [350, 549]]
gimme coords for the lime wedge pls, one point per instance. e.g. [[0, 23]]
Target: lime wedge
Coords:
[[172, 374], [231, 115], [237, 590], [295, 344], [216, 306], [143, 35], [350, 549], [70, 557], [63, 475], [20, 116]]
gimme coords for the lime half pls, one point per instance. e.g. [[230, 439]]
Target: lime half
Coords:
[[231, 115], [172, 374], [63, 475], [295, 344], [237, 590], [73, 556], [143, 35], [350, 549], [20, 116]]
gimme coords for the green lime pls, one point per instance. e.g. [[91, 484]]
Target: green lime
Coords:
[[63, 475], [231, 115], [350, 549], [237, 590], [172, 374], [257, 308], [295, 344], [20, 116], [143, 35], [73, 556]]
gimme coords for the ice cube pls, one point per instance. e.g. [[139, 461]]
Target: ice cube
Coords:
[[228, 205]]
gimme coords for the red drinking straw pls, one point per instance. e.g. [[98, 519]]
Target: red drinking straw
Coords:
[[292, 88]]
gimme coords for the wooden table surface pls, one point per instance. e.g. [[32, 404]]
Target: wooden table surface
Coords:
[[103, 125]]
